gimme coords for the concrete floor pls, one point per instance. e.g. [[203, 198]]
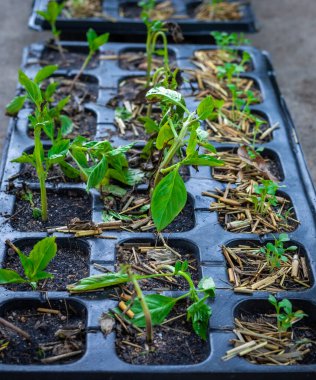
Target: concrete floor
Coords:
[[287, 32]]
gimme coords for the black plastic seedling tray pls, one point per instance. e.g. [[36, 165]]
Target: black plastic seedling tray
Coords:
[[100, 360], [120, 27]]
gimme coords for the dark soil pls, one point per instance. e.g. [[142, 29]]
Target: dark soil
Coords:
[[185, 221], [69, 265], [174, 343], [62, 207], [131, 10], [124, 255], [73, 59], [136, 60], [42, 328]]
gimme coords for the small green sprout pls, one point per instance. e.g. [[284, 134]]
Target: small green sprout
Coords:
[[285, 315], [265, 196], [28, 196], [94, 42], [33, 265], [51, 14], [275, 252], [226, 40], [99, 162]]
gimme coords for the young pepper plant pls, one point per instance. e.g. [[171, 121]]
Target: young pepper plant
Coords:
[[51, 14], [265, 196], [159, 306], [94, 42], [178, 128], [286, 317], [33, 265], [99, 162], [275, 252]]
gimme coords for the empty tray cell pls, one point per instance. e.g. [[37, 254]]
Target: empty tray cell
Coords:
[[244, 163], [275, 266], [63, 206], [42, 332], [145, 256], [70, 264]]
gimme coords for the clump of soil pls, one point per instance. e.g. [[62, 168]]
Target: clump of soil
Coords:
[[63, 205], [70, 264], [52, 336], [145, 258], [174, 343]]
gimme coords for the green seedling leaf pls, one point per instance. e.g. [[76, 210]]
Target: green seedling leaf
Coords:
[[114, 190], [44, 73], [162, 94], [165, 135], [69, 170], [97, 174], [8, 276], [66, 125], [199, 313], [207, 285], [203, 159], [25, 159], [15, 105], [32, 89], [205, 108], [159, 306], [98, 282], [95, 41], [168, 199], [150, 125], [42, 253], [58, 150]]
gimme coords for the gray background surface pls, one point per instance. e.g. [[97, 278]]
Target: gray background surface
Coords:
[[288, 32]]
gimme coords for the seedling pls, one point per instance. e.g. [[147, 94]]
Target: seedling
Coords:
[[41, 120], [285, 315], [226, 40], [159, 306], [155, 30], [51, 14], [275, 252], [178, 128], [94, 42], [33, 265], [266, 196], [28, 196], [99, 162]]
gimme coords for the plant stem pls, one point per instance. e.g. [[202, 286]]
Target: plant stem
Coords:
[[39, 170], [147, 315], [57, 41], [83, 67], [174, 147]]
